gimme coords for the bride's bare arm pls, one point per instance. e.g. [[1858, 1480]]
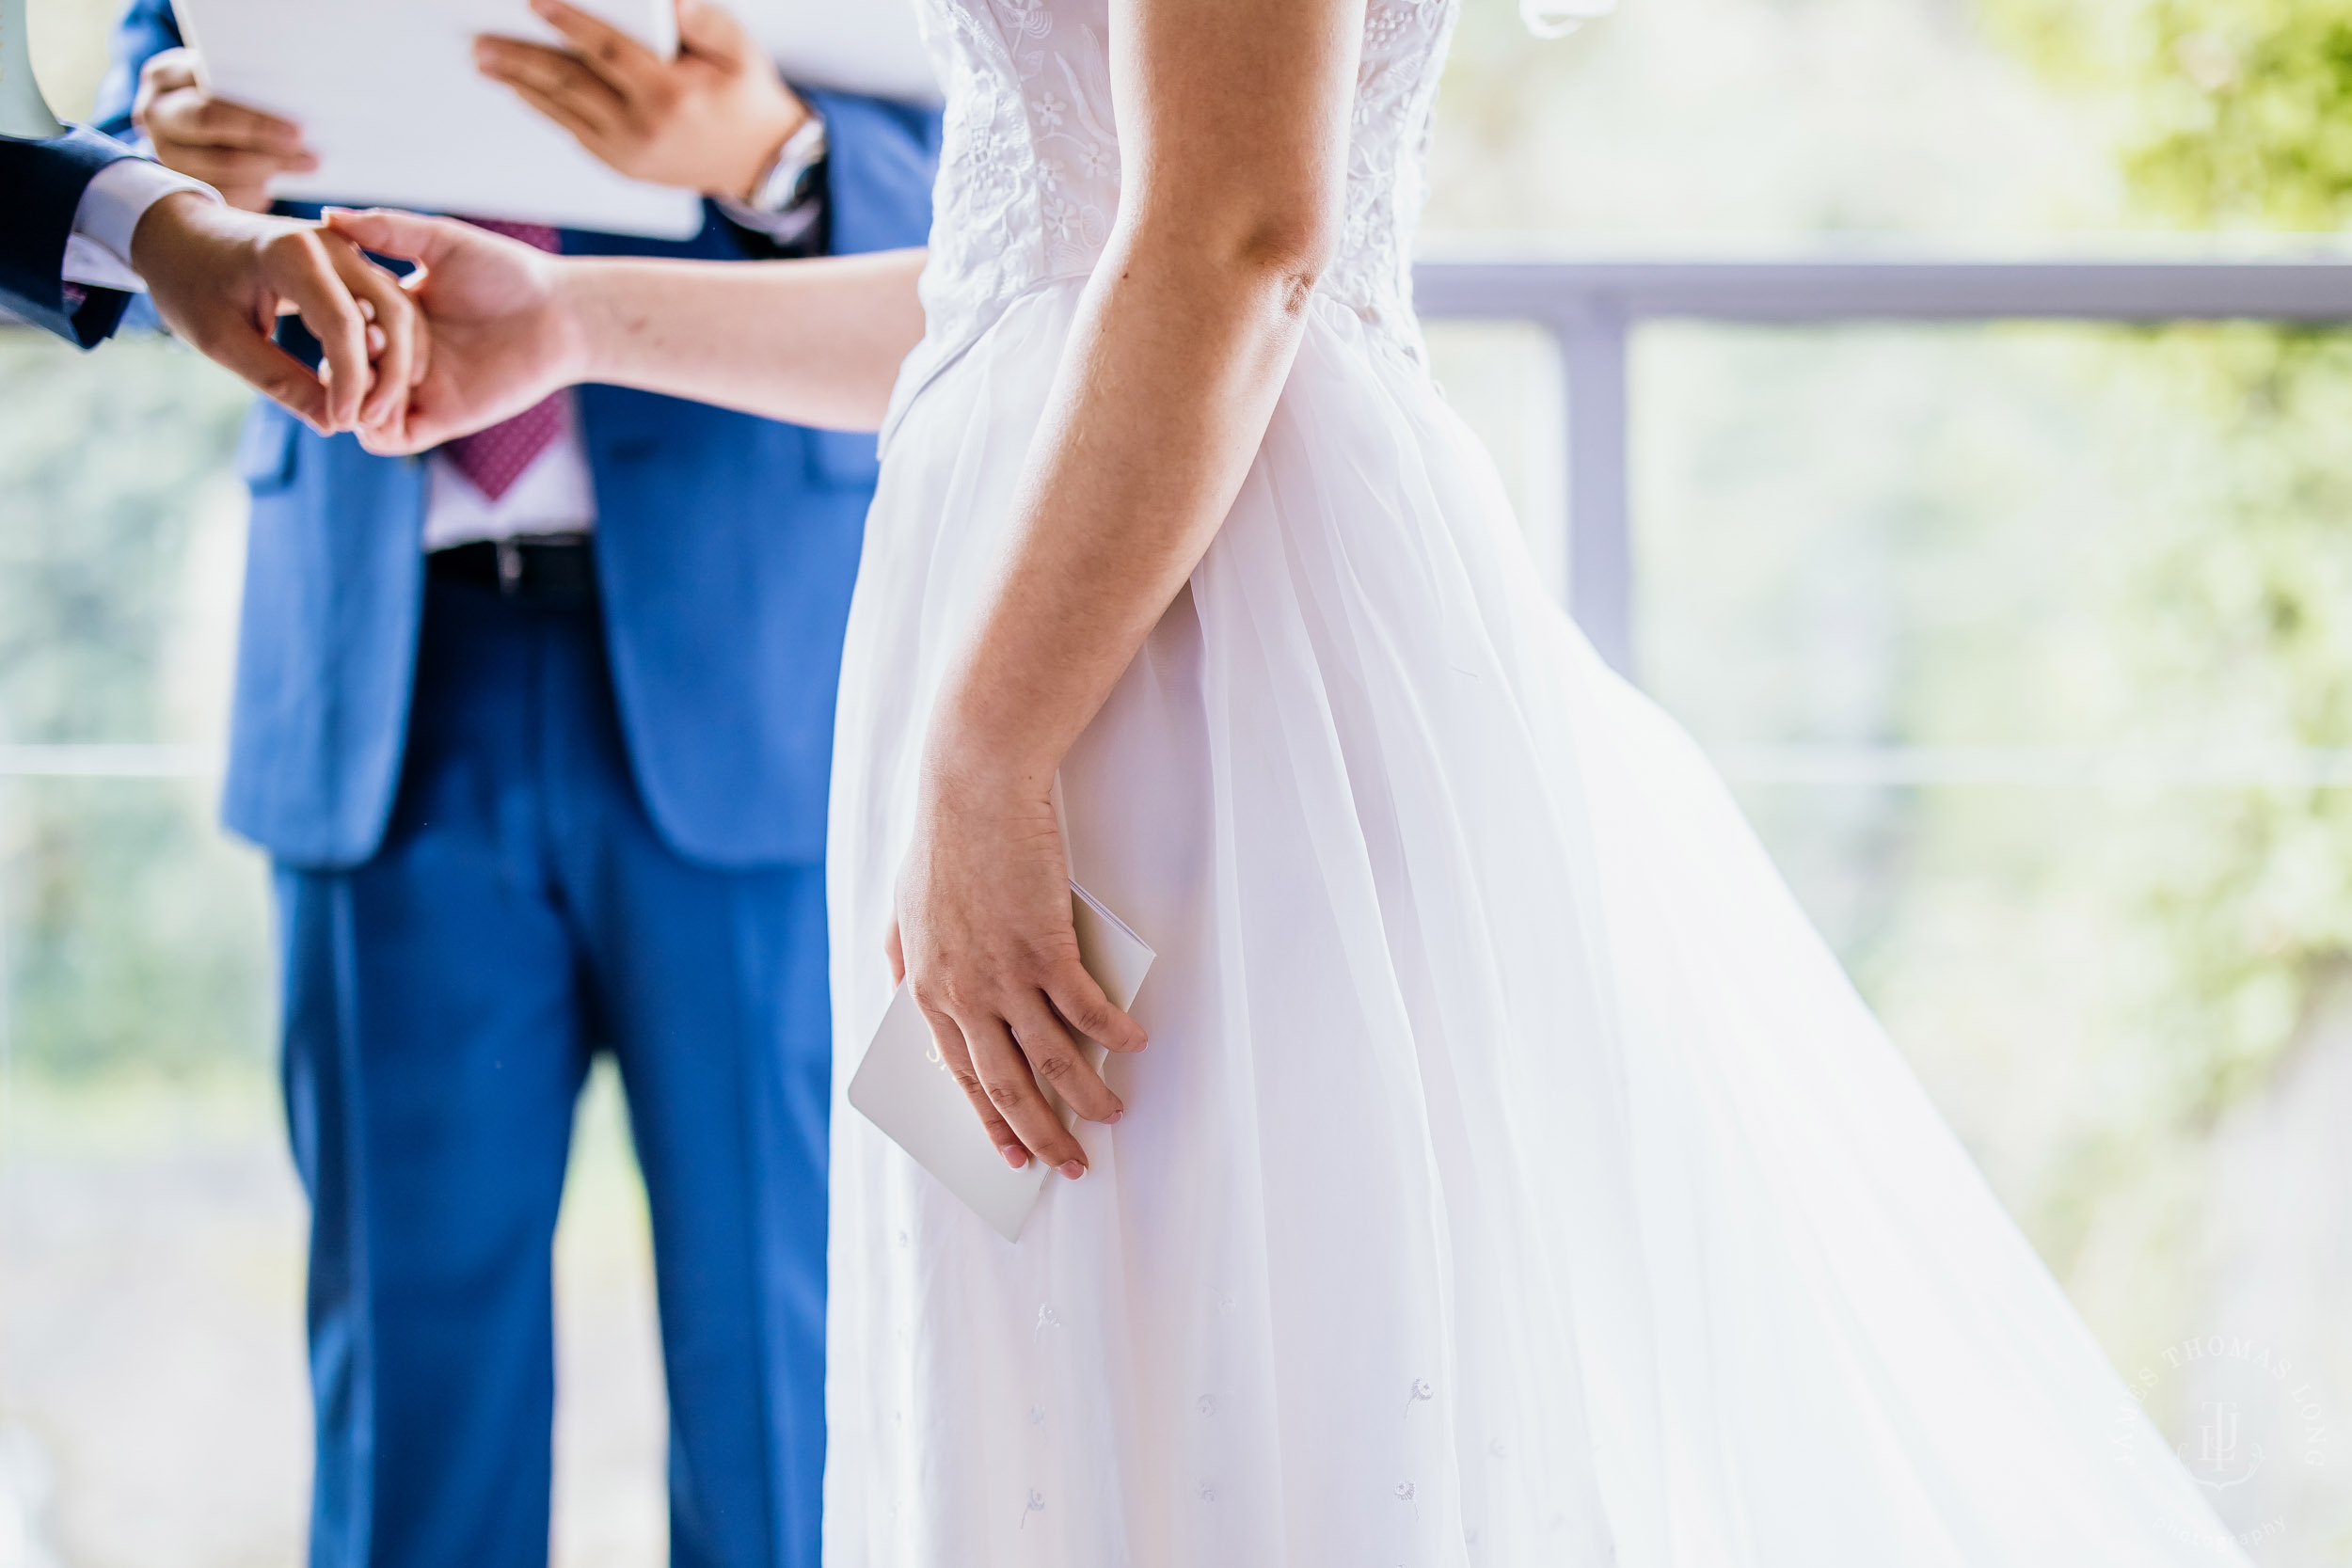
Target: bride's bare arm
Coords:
[[816, 343], [813, 342], [1233, 122]]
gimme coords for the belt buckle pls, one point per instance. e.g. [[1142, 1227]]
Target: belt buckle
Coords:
[[510, 559]]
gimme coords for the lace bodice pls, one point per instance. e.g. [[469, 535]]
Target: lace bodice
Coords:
[[1028, 180]]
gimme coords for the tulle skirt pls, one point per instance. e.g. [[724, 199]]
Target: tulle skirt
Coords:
[[1513, 1176]]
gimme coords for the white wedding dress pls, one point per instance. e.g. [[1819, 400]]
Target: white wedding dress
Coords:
[[1513, 1177]]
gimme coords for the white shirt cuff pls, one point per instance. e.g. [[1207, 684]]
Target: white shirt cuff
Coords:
[[98, 254]]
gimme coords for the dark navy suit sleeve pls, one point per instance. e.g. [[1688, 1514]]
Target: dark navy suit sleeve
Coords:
[[41, 186], [881, 158], [146, 30]]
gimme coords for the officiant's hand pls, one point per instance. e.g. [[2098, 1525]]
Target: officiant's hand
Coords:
[[231, 147], [501, 335], [711, 120]]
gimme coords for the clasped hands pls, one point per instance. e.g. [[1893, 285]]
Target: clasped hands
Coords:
[[711, 119], [474, 333]]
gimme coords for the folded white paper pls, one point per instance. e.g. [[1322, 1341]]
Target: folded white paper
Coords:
[[904, 1085], [387, 97]]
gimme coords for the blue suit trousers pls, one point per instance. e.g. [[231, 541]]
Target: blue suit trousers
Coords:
[[443, 1002]]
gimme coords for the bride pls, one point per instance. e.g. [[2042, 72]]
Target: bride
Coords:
[[1495, 1168]]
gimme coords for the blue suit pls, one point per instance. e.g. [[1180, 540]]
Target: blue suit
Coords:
[[509, 834]]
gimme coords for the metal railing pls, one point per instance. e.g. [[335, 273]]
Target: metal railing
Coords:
[[1592, 309]]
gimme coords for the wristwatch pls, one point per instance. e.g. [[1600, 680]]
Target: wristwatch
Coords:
[[787, 181]]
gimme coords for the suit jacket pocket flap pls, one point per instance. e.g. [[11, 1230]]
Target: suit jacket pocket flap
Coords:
[[265, 452]]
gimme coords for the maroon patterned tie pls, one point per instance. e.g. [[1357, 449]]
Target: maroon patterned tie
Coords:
[[495, 458]]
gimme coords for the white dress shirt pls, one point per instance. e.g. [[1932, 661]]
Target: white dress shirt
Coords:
[[553, 495], [98, 253]]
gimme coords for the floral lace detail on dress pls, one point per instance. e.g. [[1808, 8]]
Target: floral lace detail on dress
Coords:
[[1028, 175], [1388, 156], [1028, 167]]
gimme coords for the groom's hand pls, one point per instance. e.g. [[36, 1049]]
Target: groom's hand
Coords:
[[220, 278], [501, 339], [711, 120]]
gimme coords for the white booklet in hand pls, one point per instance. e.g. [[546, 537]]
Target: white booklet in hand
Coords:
[[387, 97], [904, 1085]]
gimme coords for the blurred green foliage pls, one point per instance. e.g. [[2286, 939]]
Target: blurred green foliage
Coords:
[[2232, 113], [104, 454], [2235, 114], [130, 931]]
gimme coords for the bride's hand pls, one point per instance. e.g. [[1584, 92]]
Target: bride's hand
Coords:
[[984, 939], [502, 335]]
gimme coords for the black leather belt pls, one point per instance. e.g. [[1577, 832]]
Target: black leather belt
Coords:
[[554, 569]]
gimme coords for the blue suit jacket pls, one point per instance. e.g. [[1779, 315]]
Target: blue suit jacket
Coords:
[[40, 185], [726, 545]]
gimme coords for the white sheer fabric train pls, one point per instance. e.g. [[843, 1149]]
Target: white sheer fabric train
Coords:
[[1512, 1178]]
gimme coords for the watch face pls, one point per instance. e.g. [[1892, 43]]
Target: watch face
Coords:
[[775, 192], [788, 184]]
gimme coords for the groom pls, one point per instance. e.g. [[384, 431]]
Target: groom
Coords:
[[536, 730]]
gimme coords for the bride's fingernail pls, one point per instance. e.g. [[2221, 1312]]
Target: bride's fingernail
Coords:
[[1073, 1170], [1112, 1118], [1016, 1156]]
